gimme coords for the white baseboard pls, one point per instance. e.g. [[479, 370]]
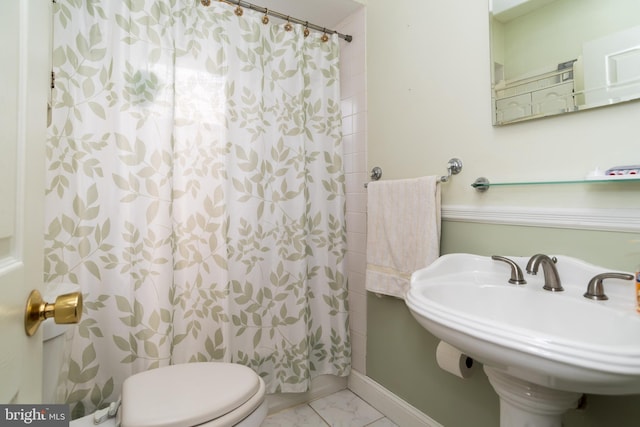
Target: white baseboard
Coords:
[[394, 408]]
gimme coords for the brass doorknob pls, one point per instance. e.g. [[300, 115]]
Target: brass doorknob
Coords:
[[67, 309]]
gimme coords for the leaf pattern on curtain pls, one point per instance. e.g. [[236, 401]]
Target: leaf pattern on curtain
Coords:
[[196, 193]]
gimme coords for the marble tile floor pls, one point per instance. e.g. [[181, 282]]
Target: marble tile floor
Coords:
[[340, 409]]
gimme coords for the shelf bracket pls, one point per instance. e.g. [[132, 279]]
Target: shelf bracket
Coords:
[[481, 184]]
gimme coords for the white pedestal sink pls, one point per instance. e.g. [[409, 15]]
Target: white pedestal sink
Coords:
[[527, 404], [541, 350]]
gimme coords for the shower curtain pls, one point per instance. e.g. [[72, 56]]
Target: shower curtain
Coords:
[[196, 194]]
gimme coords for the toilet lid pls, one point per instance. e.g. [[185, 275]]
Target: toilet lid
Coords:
[[186, 395]]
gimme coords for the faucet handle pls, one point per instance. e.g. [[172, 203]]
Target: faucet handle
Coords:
[[517, 278], [595, 289]]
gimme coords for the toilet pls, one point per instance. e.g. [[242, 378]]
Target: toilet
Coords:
[[207, 394], [211, 394]]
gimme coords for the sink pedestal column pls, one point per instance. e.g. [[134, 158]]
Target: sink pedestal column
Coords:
[[524, 404]]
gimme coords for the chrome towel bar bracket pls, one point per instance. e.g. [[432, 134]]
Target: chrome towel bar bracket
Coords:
[[454, 167], [376, 174]]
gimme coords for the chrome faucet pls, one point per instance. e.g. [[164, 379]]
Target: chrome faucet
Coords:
[[551, 276]]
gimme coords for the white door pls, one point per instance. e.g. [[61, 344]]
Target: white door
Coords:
[[25, 43]]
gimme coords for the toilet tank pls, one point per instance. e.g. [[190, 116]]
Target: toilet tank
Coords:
[[55, 343]]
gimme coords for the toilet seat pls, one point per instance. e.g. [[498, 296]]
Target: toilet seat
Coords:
[[192, 394]]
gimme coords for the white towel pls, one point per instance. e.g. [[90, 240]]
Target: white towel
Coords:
[[403, 232]]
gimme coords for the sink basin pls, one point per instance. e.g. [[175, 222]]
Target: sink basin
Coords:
[[560, 341], [557, 339]]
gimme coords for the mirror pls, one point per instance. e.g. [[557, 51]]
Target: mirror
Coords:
[[559, 56]]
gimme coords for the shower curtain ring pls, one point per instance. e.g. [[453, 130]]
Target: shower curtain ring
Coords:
[[325, 37], [265, 18], [205, 2], [239, 11], [288, 26], [306, 29]]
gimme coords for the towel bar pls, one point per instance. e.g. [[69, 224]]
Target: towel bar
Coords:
[[454, 167]]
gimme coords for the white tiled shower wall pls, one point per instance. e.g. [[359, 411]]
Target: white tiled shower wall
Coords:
[[354, 129]]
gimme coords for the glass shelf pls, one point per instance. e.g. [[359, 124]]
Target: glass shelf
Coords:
[[483, 184]]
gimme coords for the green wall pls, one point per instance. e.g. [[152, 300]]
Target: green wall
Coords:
[[401, 354]]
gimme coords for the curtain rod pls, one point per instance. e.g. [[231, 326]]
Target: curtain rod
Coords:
[[287, 18]]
